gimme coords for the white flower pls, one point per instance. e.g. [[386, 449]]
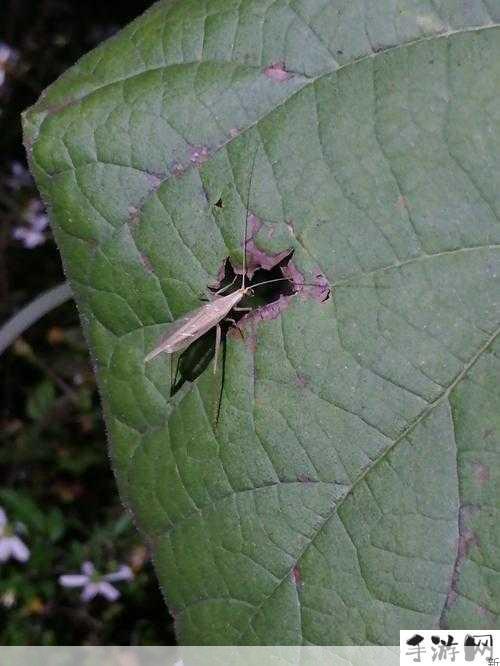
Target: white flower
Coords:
[[30, 238], [20, 176], [33, 234], [94, 583], [8, 57], [10, 544], [35, 215], [8, 599]]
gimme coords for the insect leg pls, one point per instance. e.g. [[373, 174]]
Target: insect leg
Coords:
[[173, 377], [217, 346], [221, 291]]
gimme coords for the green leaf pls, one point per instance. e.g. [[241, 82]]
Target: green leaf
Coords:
[[351, 487]]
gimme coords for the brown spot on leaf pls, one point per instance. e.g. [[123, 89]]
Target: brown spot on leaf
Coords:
[[198, 155], [134, 215], [302, 381], [467, 539], [177, 170], [481, 474], [257, 258], [402, 203], [271, 281], [154, 181], [296, 576], [303, 478], [277, 72], [53, 109], [485, 613], [234, 131], [146, 262], [317, 288]]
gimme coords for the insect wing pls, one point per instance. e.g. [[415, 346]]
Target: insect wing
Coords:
[[192, 326], [178, 336]]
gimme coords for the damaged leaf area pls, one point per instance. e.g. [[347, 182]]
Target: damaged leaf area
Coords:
[[263, 288], [351, 487]]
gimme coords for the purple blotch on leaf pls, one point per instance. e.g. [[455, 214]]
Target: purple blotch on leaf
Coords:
[[481, 474], [317, 288], [154, 181], [277, 72], [257, 258], [198, 154], [146, 262], [296, 576]]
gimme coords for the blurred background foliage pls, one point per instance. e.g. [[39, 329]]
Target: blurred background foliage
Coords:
[[56, 487]]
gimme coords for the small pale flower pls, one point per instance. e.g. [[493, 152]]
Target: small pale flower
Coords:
[[20, 176], [33, 233], [35, 215], [94, 583], [8, 58], [11, 545], [8, 599], [29, 237]]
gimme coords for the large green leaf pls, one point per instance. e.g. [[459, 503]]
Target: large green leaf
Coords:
[[352, 485]]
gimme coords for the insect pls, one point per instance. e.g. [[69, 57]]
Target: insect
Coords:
[[188, 329], [196, 323]]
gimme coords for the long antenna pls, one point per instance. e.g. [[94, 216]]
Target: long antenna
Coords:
[[316, 284], [295, 284], [259, 284], [246, 218]]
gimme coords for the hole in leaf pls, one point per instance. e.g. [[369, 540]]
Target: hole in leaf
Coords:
[[195, 360]]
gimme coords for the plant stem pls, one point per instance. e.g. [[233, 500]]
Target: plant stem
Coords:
[[40, 306]]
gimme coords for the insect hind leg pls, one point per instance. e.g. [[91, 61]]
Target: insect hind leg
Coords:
[[173, 376], [218, 337]]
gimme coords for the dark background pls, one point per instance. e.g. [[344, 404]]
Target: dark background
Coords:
[[56, 484]]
